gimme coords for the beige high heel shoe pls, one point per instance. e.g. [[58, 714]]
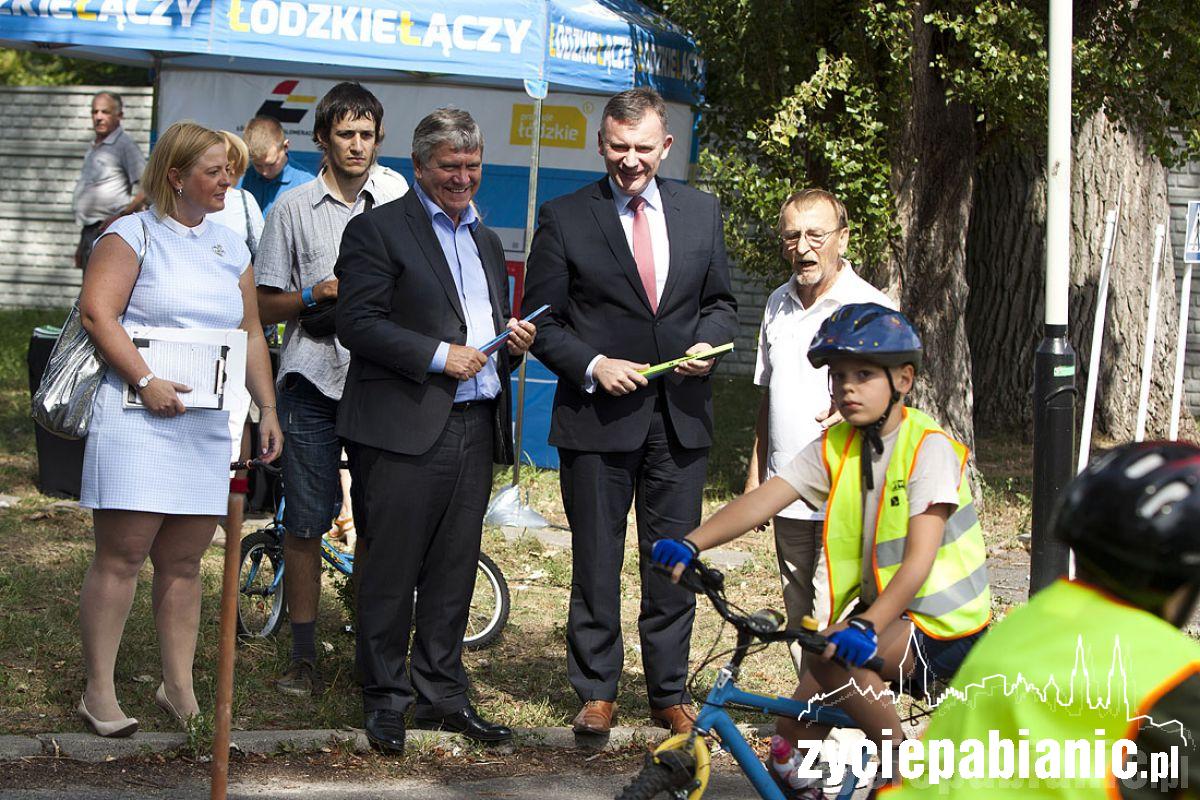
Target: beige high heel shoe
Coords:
[[160, 697], [115, 729], [343, 525]]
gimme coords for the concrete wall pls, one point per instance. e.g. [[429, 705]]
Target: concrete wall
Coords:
[[47, 132], [751, 295], [41, 153]]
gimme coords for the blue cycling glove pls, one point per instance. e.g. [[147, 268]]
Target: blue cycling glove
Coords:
[[670, 552], [857, 643]]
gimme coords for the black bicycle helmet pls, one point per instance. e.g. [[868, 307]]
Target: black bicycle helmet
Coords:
[[1133, 519], [868, 331]]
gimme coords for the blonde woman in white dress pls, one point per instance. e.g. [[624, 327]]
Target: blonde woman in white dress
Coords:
[[157, 479]]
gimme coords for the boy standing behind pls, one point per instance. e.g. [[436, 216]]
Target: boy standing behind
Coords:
[[270, 170]]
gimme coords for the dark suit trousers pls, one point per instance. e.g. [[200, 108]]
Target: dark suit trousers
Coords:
[[423, 521], [668, 483]]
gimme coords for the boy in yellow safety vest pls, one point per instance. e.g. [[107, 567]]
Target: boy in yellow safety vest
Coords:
[[1092, 677], [902, 542]]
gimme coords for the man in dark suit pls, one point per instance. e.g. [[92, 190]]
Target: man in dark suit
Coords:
[[634, 270], [421, 287]]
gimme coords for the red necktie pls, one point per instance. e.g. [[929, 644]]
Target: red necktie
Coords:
[[643, 250]]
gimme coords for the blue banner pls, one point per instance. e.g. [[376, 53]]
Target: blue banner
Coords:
[[616, 44], [592, 45]]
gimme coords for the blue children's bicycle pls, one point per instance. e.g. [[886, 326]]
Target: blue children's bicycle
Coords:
[[679, 767], [261, 604]]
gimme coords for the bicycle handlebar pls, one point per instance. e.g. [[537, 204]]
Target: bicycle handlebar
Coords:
[[700, 578], [255, 463]]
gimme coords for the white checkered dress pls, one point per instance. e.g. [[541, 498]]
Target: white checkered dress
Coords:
[[139, 462]]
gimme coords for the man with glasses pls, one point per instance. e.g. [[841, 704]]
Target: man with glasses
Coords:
[[813, 236]]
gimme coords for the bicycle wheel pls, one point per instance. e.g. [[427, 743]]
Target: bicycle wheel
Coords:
[[260, 585], [653, 780], [489, 606]]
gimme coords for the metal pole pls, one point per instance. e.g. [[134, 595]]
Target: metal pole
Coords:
[[1185, 299], [535, 156], [156, 92], [1054, 364], [1139, 434], [1089, 403]]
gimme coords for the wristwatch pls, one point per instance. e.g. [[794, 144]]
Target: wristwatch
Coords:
[[145, 381]]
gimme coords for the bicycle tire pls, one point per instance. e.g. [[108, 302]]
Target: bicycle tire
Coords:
[[490, 604], [260, 609], [653, 780]]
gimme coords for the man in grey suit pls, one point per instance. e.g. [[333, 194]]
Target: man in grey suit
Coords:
[[634, 270], [421, 288]]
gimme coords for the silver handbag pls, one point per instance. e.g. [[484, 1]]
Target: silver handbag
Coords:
[[63, 401]]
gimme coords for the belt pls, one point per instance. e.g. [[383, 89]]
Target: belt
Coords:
[[469, 404]]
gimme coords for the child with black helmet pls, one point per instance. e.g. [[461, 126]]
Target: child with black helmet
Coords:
[[1098, 659], [903, 547]]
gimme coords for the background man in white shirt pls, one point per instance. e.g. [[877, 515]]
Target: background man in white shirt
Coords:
[[796, 408]]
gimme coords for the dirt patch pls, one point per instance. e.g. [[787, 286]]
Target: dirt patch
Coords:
[[333, 765]]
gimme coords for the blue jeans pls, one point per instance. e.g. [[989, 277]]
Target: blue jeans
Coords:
[[311, 455]]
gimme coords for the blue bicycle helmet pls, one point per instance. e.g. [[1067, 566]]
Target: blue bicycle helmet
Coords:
[[868, 331], [873, 333]]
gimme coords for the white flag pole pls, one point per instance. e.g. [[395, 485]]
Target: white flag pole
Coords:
[[1089, 403], [1185, 299], [1151, 330]]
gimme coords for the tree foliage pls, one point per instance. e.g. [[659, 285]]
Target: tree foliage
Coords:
[[28, 68], [814, 92]]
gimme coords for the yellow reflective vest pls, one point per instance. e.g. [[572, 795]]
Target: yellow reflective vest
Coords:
[[1072, 668], [955, 599]]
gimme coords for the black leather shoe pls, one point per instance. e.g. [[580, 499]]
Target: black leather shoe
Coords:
[[385, 730], [466, 722]]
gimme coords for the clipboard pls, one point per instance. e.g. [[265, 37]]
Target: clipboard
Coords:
[[659, 369], [495, 343], [204, 359]]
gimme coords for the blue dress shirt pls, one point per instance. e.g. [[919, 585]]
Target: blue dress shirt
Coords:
[[462, 255]]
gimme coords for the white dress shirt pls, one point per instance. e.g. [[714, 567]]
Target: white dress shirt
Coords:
[[659, 243], [798, 390]]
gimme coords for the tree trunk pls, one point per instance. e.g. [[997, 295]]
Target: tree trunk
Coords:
[[933, 175], [1006, 270]]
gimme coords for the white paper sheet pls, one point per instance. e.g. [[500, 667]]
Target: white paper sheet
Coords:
[[211, 361]]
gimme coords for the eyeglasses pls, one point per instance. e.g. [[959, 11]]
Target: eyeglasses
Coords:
[[816, 239]]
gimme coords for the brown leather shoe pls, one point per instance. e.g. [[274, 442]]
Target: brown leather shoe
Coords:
[[679, 718], [595, 718]]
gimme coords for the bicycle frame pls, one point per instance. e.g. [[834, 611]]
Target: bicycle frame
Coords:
[[714, 718], [342, 562]]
